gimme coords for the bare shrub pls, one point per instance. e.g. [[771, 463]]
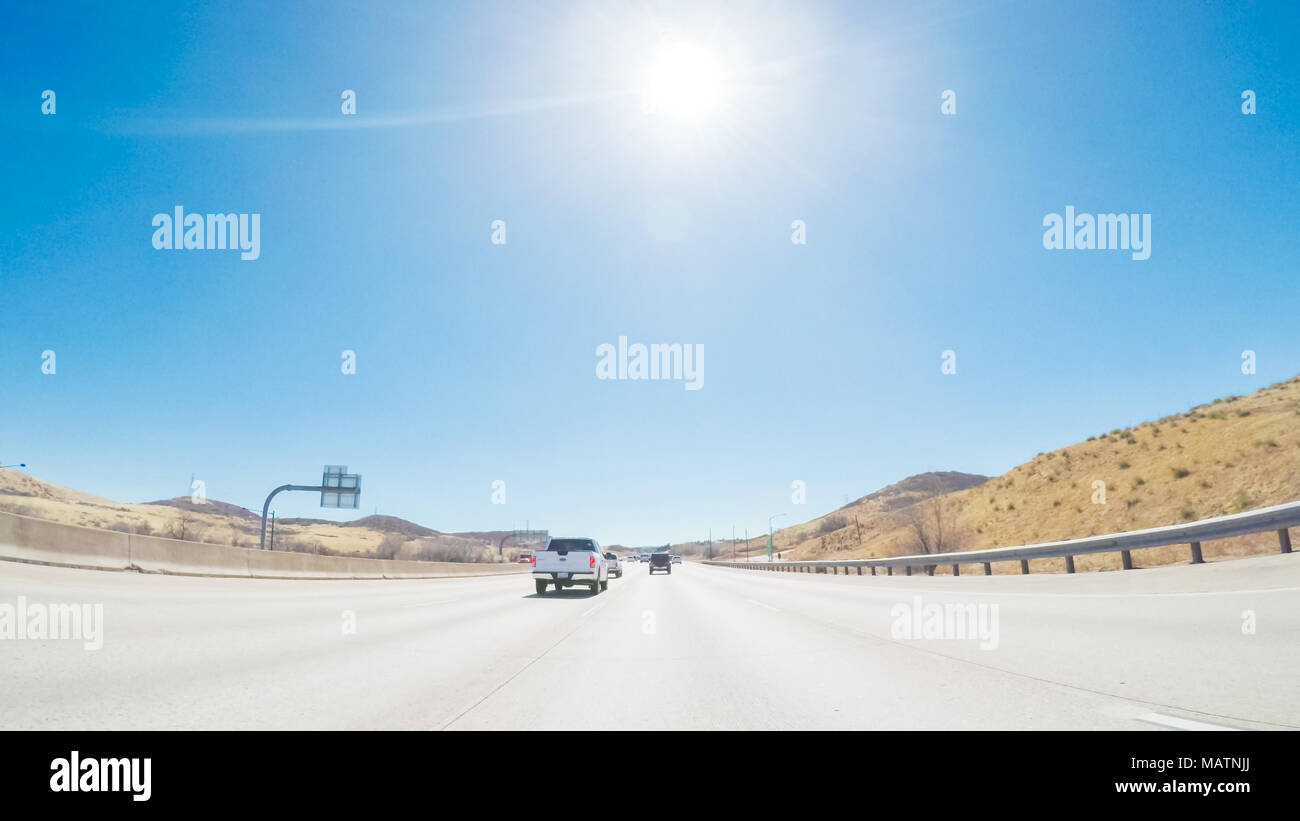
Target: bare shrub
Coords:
[[182, 527], [299, 546], [933, 529], [830, 524], [391, 546], [449, 553]]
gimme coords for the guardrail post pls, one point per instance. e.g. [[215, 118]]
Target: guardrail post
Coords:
[[988, 569], [1284, 539], [873, 570], [907, 570], [1024, 567], [1069, 564], [859, 570], [1127, 557], [929, 570], [1196, 553], [956, 570]]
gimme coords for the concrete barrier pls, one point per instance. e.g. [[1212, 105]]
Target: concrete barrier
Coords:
[[25, 539], [154, 554], [282, 564], [405, 569]]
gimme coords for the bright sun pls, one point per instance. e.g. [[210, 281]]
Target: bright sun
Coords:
[[683, 82]]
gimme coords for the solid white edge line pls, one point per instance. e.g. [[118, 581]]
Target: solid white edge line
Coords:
[[1178, 723]]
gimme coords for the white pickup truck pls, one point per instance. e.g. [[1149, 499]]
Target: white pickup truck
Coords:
[[566, 562]]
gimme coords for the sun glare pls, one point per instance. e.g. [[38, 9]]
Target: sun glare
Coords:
[[683, 82]]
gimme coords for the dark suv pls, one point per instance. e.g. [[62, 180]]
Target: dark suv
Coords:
[[661, 560]]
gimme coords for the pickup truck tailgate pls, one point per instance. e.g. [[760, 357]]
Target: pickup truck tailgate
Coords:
[[569, 563]]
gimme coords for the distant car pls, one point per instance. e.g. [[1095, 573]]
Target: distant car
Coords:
[[566, 562], [615, 569], [677, 559], [661, 561], [643, 557], [526, 557]]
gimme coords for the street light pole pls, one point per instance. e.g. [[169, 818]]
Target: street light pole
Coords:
[[769, 533]]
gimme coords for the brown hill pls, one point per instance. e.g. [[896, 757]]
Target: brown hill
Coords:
[[1232, 454]]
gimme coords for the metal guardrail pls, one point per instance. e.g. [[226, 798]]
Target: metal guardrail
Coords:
[[1278, 518]]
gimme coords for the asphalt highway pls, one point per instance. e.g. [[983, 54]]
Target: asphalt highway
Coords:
[[1189, 647]]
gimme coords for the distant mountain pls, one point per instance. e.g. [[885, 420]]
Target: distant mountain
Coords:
[[209, 506], [495, 536], [921, 486], [858, 523], [382, 524]]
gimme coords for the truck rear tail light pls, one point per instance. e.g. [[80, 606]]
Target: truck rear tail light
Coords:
[[533, 559], [592, 562]]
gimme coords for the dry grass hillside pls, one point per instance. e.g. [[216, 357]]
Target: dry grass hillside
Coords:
[[1230, 455], [217, 522]]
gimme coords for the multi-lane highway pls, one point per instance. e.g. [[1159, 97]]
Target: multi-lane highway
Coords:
[[706, 648]]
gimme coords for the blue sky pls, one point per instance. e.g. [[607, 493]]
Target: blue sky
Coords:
[[476, 362]]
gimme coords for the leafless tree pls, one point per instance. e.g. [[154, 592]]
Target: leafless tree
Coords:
[[931, 528], [181, 527], [391, 546]]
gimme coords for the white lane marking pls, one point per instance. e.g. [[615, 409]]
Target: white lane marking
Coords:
[[1181, 723], [760, 604], [593, 609]]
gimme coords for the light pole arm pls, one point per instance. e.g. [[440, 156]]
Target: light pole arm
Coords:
[[501, 545], [313, 488]]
